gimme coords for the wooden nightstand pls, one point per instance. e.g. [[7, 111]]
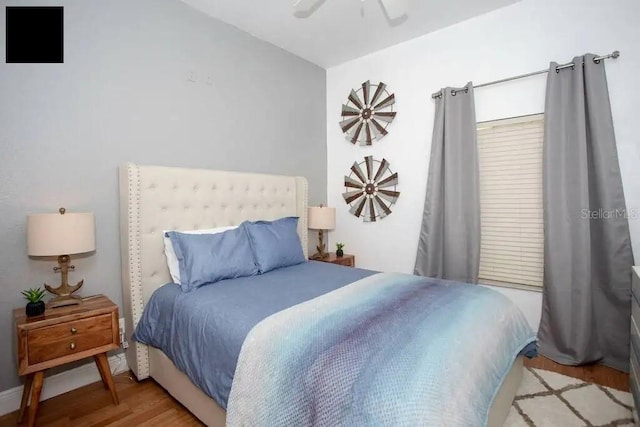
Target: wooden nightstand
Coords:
[[62, 335], [346, 260]]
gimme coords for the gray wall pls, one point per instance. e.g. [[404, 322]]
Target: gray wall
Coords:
[[123, 94]]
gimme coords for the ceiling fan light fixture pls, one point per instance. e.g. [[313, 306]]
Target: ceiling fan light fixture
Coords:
[[393, 10]]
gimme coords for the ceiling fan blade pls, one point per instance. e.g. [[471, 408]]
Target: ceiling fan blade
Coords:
[[305, 8], [355, 168], [366, 90], [353, 97], [395, 11], [303, 4], [352, 183]]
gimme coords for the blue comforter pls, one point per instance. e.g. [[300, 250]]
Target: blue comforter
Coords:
[[363, 342], [390, 349], [202, 331]]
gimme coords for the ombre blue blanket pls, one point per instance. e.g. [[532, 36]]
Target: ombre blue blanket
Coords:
[[389, 349]]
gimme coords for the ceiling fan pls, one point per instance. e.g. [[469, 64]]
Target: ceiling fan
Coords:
[[393, 10]]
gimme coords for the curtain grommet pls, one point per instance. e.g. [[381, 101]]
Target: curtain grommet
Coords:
[[453, 93]]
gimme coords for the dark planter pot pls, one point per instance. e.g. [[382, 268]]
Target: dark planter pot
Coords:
[[339, 253], [35, 308]]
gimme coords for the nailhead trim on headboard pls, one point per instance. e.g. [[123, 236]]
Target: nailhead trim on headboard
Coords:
[[141, 351]]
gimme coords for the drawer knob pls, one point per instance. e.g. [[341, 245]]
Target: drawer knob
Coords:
[[73, 330], [72, 346]]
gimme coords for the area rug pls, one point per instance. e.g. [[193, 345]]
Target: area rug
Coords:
[[550, 399]]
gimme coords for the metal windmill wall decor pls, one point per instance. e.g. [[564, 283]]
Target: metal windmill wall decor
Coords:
[[365, 117], [371, 189]]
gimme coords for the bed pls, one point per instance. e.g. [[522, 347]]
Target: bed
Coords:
[[153, 199]]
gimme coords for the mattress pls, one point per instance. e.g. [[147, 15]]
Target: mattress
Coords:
[[202, 331]]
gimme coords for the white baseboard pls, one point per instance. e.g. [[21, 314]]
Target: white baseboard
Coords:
[[62, 382]]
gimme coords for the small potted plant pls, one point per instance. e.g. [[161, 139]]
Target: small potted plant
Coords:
[[339, 251], [35, 306]]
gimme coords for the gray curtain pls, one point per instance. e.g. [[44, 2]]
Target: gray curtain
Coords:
[[449, 246], [587, 250]]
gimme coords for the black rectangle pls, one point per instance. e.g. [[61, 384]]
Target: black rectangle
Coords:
[[35, 34]]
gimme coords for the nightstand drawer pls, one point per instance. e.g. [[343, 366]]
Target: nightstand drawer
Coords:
[[69, 338]]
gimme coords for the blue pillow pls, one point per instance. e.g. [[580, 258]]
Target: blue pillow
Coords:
[[275, 244], [209, 258]]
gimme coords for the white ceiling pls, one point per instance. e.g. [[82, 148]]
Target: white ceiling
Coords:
[[342, 30]]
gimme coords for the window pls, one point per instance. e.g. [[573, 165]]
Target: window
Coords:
[[512, 237]]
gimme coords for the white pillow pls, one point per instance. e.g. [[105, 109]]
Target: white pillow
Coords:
[[172, 259]]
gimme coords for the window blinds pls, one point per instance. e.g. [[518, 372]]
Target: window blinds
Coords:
[[510, 157]]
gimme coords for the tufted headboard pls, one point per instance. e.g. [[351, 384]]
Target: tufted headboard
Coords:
[[155, 198]]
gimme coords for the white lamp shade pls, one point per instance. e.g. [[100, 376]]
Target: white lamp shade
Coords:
[[58, 234], [322, 218]]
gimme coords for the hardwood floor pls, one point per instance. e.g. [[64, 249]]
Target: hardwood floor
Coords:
[[147, 404], [598, 374], [141, 404]]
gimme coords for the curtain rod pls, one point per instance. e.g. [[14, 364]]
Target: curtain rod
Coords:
[[597, 59]]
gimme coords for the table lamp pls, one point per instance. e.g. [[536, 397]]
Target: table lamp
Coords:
[[61, 234], [321, 218]]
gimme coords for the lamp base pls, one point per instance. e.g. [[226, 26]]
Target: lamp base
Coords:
[[64, 301], [64, 291], [319, 255]]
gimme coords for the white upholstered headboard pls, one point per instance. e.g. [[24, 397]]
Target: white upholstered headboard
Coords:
[[155, 198]]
